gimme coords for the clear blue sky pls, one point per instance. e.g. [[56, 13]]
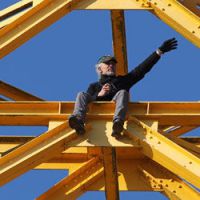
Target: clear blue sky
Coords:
[[59, 62]]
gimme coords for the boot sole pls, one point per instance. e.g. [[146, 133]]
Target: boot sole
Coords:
[[117, 129], [75, 124]]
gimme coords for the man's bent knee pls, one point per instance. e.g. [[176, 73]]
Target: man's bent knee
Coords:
[[83, 94], [123, 92]]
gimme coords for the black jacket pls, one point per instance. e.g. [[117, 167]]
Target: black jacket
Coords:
[[122, 82]]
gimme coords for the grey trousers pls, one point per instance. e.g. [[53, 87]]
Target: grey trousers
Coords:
[[121, 100]]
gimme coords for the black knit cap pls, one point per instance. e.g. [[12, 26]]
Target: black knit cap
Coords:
[[106, 59]]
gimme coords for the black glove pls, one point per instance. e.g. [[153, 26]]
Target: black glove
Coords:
[[168, 45]]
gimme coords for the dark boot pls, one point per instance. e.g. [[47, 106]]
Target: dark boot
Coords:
[[77, 124], [117, 128]]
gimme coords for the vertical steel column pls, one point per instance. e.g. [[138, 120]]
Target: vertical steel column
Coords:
[[119, 40], [110, 173]]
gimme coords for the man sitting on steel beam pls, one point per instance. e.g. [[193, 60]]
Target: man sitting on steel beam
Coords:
[[114, 88]]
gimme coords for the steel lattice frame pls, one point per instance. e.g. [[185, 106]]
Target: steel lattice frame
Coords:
[[151, 147]]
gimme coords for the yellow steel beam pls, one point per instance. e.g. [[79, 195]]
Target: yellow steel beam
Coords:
[[40, 113], [33, 22], [100, 135], [12, 13], [114, 5], [83, 186], [70, 187], [179, 18], [9, 20], [130, 177], [15, 11], [9, 143], [16, 8], [119, 41], [156, 146], [169, 195], [192, 5], [24, 25], [35, 152], [194, 140], [15, 139], [79, 154], [16, 93], [185, 144], [136, 108], [110, 173], [157, 176], [100, 115], [181, 130]]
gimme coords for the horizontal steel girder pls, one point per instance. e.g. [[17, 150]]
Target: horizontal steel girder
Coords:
[[42, 112]]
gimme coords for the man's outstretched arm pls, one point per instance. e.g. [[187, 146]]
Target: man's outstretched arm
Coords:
[[138, 73]]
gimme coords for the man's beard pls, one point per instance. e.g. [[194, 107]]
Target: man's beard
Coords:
[[110, 73]]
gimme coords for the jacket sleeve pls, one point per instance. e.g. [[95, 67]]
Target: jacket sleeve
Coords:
[[92, 91], [139, 72]]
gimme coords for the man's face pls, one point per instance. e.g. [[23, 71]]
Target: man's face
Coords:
[[108, 68]]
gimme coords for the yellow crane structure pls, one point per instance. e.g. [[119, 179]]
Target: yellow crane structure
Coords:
[[150, 156]]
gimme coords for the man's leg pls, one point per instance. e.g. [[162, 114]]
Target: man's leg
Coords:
[[77, 119], [121, 99]]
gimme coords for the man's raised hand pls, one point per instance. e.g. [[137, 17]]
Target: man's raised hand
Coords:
[[168, 45]]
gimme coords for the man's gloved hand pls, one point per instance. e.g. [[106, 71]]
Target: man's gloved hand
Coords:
[[168, 45]]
